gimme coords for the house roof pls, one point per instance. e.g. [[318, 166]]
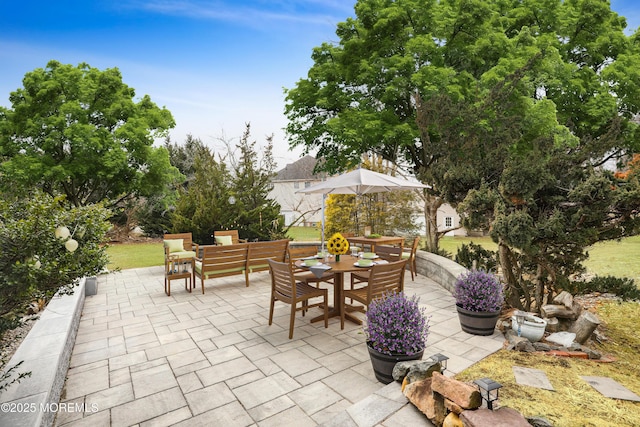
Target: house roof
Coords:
[[300, 170]]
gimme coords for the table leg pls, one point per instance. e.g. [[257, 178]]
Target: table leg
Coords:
[[334, 311]]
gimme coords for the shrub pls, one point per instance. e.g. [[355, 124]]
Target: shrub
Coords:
[[478, 290], [484, 259], [397, 325], [34, 263], [623, 287]]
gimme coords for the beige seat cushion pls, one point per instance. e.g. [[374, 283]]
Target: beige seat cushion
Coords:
[[174, 245], [223, 240]]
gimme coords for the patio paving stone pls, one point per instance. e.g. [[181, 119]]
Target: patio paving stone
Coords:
[[146, 359]]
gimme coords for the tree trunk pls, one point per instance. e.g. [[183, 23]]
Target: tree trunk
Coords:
[[431, 205], [584, 326], [564, 298], [506, 264], [556, 310]]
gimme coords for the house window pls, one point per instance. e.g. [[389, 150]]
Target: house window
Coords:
[[448, 222], [307, 184], [296, 185]]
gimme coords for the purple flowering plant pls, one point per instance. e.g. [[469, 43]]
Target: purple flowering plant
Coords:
[[396, 324], [478, 290]]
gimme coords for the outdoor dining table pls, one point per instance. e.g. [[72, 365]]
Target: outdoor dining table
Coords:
[[345, 265], [373, 241]]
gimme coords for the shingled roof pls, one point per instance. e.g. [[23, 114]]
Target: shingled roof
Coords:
[[301, 170]]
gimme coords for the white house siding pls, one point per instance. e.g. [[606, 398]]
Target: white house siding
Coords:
[[293, 205], [447, 218]]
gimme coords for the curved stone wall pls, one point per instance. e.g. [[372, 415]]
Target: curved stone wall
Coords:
[[440, 269]]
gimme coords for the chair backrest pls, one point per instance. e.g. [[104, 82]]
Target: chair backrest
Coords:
[[389, 253], [414, 247], [187, 239], [219, 260], [235, 238], [385, 278], [282, 280], [260, 252], [297, 252]]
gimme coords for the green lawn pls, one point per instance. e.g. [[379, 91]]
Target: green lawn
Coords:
[[135, 255], [305, 234], [610, 258], [606, 258]]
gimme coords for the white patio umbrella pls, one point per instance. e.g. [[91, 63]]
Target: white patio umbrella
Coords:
[[359, 181]]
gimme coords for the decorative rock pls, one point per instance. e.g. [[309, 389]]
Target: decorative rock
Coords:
[[562, 338], [452, 420], [564, 298], [540, 346], [465, 395], [525, 345], [539, 422], [423, 370], [593, 354], [452, 406], [502, 417], [518, 343], [419, 393], [401, 369], [552, 324]]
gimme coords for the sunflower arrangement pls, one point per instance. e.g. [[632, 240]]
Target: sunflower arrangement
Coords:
[[338, 245]]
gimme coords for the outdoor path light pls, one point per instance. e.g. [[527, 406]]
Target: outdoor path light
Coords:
[[488, 390], [441, 359]]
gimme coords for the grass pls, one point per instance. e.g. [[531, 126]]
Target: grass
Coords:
[[573, 402], [305, 234], [135, 255], [611, 258], [616, 258]]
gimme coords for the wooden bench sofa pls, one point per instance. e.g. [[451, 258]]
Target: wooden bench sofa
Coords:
[[241, 258]]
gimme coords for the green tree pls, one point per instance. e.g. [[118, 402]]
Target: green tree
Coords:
[[257, 216], [203, 205], [225, 192], [509, 109], [78, 131]]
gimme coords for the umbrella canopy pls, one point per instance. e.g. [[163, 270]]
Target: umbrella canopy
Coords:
[[361, 181]]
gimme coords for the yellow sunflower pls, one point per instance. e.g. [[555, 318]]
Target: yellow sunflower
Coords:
[[338, 245]]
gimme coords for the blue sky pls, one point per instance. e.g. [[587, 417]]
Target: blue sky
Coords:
[[214, 64]]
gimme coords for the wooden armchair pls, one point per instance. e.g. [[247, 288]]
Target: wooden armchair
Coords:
[[178, 260], [410, 255], [383, 278], [221, 237], [285, 288], [303, 274], [385, 252]]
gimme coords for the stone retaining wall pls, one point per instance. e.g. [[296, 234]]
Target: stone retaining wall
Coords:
[[45, 353], [439, 269]]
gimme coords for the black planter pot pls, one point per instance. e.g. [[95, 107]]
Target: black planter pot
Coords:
[[478, 322], [383, 363]]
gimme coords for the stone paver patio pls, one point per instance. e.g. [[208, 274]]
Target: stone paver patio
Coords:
[[142, 358]]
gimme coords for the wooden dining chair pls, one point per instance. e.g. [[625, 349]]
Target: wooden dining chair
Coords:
[[285, 288], [383, 278], [410, 255], [385, 252], [303, 274]]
